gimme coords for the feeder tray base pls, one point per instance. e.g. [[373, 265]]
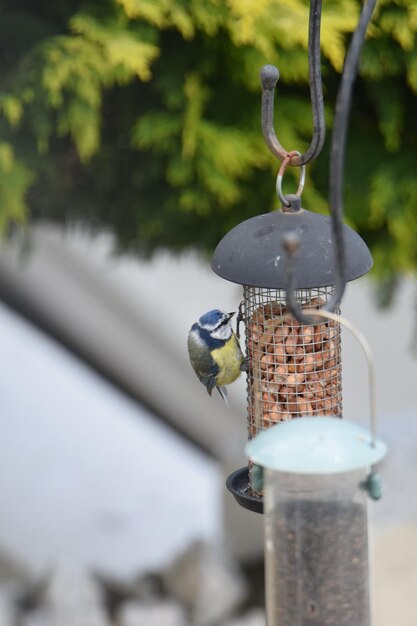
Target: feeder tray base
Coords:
[[238, 485]]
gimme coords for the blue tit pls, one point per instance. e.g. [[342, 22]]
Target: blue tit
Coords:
[[214, 351]]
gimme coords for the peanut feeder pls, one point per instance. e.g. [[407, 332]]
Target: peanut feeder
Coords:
[[293, 369]]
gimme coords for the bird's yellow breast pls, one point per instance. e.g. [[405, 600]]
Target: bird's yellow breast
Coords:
[[229, 359]]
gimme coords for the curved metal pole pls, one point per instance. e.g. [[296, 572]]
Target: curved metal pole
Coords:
[[338, 145], [269, 79], [369, 359], [326, 315], [337, 155]]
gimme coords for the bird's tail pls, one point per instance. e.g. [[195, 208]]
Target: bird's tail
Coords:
[[223, 392]]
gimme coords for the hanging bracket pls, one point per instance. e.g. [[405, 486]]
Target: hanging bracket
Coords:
[[269, 79]]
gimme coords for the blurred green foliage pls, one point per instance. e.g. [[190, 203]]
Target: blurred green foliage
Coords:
[[142, 117]]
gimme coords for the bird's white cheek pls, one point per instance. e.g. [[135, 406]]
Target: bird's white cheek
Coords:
[[224, 333]]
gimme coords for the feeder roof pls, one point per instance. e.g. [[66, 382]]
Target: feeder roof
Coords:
[[315, 445], [252, 252]]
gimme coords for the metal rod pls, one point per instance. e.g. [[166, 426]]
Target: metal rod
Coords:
[[369, 358], [337, 155], [269, 79], [338, 145]]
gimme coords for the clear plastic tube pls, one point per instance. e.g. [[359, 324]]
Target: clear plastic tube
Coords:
[[316, 549]]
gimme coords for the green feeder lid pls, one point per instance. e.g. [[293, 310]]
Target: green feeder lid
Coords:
[[315, 445]]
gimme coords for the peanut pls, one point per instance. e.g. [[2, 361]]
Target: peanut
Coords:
[[315, 303], [292, 365], [278, 413], [306, 334], [321, 334], [281, 333], [316, 405], [299, 353], [291, 321], [265, 339], [272, 324], [291, 403], [291, 341], [332, 363], [258, 316], [270, 372], [332, 333], [332, 348], [279, 352], [255, 331], [268, 390], [266, 360], [295, 379], [307, 364], [281, 373], [303, 406], [327, 404], [272, 309], [315, 389], [284, 390], [319, 361]]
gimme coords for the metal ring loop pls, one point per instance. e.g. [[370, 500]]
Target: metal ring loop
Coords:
[[280, 176]]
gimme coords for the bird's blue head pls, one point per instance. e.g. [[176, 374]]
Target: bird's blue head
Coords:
[[214, 319], [215, 325]]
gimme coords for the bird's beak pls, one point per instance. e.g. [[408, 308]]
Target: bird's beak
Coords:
[[230, 315]]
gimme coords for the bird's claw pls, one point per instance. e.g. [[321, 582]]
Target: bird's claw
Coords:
[[245, 365], [239, 318]]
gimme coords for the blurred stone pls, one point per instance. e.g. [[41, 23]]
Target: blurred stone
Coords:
[[207, 581], [254, 573], [32, 595], [256, 617], [7, 608], [146, 587], [11, 570], [38, 617], [165, 613], [149, 585], [73, 598]]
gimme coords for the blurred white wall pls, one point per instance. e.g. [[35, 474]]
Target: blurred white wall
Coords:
[[88, 477]]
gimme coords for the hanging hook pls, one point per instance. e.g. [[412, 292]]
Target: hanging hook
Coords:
[[269, 78], [337, 154]]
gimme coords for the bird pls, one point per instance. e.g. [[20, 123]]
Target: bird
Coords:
[[214, 351]]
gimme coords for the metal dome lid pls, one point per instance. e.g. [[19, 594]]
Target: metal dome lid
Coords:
[[252, 253]]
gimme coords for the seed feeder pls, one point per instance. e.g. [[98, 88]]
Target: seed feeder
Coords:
[[315, 477], [293, 263]]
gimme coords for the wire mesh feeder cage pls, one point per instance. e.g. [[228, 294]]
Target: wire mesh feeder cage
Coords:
[[294, 369]]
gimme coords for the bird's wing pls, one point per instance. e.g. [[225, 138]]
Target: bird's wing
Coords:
[[206, 369]]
